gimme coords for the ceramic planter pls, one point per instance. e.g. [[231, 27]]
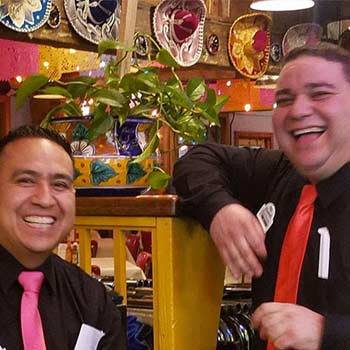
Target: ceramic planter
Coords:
[[104, 166]]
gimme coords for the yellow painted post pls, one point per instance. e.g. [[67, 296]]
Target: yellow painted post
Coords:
[[188, 284], [119, 263], [85, 248]]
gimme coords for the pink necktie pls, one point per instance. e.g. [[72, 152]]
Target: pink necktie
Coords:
[[32, 329], [293, 249]]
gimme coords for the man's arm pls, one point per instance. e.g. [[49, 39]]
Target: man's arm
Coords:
[[221, 186], [111, 323]]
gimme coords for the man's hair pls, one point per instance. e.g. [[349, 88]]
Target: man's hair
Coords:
[[325, 50], [31, 131]]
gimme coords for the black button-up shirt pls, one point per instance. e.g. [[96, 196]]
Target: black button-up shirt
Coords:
[[68, 299], [212, 176]]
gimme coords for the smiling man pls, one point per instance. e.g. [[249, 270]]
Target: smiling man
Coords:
[[37, 211], [255, 206]]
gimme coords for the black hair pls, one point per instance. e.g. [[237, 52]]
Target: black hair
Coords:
[[31, 131], [325, 50]]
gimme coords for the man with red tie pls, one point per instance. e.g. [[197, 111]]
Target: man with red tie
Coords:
[[45, 302], [283, 217]]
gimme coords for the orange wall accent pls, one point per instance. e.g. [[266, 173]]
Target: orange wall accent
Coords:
[[243, 91]]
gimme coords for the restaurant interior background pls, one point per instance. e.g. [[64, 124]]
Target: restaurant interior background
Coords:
[[245, 119]]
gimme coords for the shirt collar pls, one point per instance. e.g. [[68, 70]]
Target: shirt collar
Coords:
[[333, 187], [11, 268]]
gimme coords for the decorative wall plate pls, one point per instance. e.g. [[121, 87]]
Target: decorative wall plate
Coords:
[[24, 15], [54, 20], [94, 20], [276, 52], [213, 44], [142, 45]]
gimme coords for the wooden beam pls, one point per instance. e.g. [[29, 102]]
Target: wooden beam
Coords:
[[206, 71], [5, 115], [127, 30]]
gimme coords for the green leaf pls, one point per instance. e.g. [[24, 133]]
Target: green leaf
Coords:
[[149, 81], [72, 109], [100, 112], [195, 130], [172, 82], [211, 116], [179, 97], [100, 126], [56, 90], [211, 97], [128, 82], [46, 121], [151, 147], [28, 87], [110, 97], [107, 45], [184, 119], [135, 172], [158, 179], [83, 79], [195, 89], [164, 57], [79, 86], [220, 103], [142, 110]]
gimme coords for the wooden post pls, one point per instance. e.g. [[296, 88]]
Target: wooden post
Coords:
[[5, 115], [126, 31]]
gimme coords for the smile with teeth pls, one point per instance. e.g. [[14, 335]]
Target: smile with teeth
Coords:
[[39, 220], [311, 130]]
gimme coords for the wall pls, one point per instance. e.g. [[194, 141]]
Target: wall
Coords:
[[253, 121]]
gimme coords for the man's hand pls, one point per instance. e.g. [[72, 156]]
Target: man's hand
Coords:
[[239, 238], [289, 326]]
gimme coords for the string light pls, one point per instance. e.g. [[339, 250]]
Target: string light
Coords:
[[247, 107], [19, 79]]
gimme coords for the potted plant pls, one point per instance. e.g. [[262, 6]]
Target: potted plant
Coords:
[[187, 110]]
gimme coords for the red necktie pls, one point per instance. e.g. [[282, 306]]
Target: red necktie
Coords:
[[32, 330], [293, 249]]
